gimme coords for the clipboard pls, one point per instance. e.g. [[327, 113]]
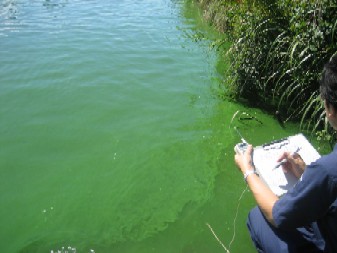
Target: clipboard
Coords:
[[265, 159]]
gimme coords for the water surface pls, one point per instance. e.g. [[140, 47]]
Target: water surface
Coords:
[[111, 139]]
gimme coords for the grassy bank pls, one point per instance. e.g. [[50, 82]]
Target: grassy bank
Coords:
[[278, 50]]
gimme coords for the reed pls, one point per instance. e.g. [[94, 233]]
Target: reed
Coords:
[[277, 53]]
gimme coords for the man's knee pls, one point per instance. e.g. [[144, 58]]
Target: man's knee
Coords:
[[263, 234], [269, 239], [255, 219], [255, 222]]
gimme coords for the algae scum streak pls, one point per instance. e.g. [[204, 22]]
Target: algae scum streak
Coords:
[[111, 139]]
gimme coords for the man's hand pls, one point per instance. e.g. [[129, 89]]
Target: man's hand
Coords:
[[294, 163], [244, 160]]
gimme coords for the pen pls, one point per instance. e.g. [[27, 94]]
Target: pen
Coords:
[[283, 161]]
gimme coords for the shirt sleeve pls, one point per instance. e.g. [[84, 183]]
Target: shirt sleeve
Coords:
[[308, 201]]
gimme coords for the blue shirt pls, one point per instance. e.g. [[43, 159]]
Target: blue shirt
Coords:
[[313, 199]]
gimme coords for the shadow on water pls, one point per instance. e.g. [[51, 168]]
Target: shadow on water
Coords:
[[53, 5]]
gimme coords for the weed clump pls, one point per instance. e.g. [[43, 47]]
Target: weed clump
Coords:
[[278, 50]]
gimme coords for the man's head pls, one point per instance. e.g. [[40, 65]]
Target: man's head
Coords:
[[328, 82], [328, 90]]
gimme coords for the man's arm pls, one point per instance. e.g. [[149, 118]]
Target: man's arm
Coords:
[[264, 197]]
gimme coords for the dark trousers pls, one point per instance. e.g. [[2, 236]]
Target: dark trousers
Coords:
[[268, 239]]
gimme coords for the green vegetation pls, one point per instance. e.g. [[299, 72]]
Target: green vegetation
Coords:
[[278, 51]]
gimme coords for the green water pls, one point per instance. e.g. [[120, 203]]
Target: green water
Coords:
[[111, 139]]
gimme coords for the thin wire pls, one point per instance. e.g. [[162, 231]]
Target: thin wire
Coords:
[[236, 215], [237, 208], [234, 225], [209, 226]]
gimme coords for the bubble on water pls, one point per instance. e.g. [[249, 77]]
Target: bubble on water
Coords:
[[69, 249]]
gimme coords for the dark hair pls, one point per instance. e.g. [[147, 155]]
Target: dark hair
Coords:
[[328, 82]]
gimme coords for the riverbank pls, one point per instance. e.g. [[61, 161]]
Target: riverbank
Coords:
[[277, 54]]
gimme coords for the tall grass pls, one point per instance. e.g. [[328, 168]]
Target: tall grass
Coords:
[[278, 52]]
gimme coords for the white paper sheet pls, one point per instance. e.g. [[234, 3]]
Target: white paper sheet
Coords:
[[265, 159]]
